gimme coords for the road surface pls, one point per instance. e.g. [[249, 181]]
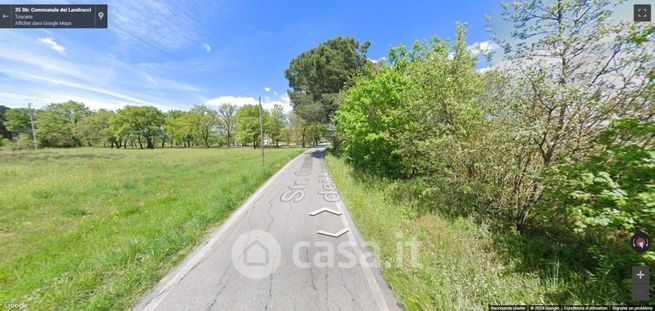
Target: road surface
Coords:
[[291, 246]]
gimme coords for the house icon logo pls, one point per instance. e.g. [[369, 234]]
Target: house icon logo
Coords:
[[256, 254]]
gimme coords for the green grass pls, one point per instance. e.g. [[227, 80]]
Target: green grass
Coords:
[[462, 268], [96, 228]]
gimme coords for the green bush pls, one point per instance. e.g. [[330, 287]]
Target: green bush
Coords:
[[366, 121], [22, 142], [532, 145], [534, 159], [608, 195]]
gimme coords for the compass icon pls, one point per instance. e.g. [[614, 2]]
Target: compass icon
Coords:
[[640, 242]]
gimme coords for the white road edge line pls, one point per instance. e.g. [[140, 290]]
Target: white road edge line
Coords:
[[372, 283], [215, 237]]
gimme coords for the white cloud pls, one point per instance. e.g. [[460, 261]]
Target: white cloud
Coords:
[[484, 47], [485, 69], [85, 87], [267, 89], [15, 96], [162, 83], [267, 102], [377, 61], [102, 81], [234, 100], [175, 24], [53, 45], [207, 47]]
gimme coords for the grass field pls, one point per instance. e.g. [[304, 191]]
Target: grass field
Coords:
[[96, 228], [461, 267]]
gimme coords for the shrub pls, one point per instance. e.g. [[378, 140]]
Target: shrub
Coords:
[[22, 142], [608, 195], [366, 122]]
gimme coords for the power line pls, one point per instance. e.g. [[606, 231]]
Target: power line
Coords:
[[143, 41]]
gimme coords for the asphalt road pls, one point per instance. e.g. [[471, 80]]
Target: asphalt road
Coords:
[[291, 246]]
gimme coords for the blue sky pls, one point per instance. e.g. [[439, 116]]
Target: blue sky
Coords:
[[176, 54]]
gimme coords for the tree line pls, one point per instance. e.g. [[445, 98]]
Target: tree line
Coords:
[[554, 143], [73, 124]]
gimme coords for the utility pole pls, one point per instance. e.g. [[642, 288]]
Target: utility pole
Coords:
[[261, 129], [29, 107]]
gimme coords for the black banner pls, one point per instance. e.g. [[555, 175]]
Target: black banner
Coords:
[[53, 16]]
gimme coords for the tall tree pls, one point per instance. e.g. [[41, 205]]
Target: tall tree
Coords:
[[203, 122], [56, 123], [316, 132], [169, 128], [182, 128], [141, 122], [416, 117], [299, 129], [276, 123], [574, 72], [227, 121], [247, 119], [18, 121], [4, 132], [94, 130], [318, 75]]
